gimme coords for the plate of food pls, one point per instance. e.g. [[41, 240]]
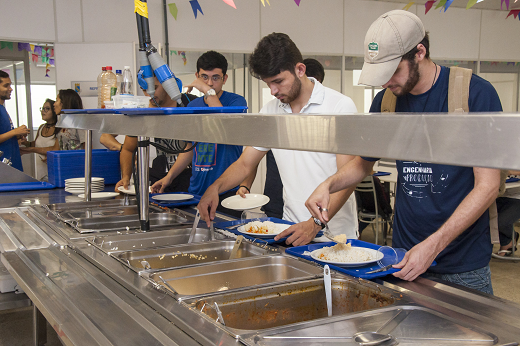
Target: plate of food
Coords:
[[173, 197], [346, 255], [265, 229]]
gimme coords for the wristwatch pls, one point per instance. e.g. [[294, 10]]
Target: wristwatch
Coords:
[[318, 222], [210, 92]]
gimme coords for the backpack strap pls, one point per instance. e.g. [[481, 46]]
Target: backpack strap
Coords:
[[388, 102], [458, 90]]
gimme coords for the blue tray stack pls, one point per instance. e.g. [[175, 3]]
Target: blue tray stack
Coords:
[[65, 164]]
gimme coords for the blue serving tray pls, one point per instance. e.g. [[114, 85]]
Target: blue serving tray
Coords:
[[194, 200], [512, 180], [34, 185], [226, 224], [359, 272], [181, 110]]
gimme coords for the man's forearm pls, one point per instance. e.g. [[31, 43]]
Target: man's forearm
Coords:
[[183, 161], [233, 176], [338, 199], [349, 175], [6, 136], [468, 211]]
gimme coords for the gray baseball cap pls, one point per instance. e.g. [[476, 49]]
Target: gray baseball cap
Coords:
[[390, 37]]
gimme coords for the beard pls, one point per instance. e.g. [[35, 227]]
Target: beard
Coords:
[[294, 92], [413, 79]]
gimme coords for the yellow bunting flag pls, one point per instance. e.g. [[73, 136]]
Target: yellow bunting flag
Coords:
[[141, 8], [173, 10], [263, 2], [32, 47], [470, 4], [407, 7]]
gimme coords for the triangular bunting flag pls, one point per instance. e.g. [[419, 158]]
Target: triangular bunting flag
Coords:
[[34, 58], [407, 7], [32, 47], [4, 44], [195, 6], [428, 5], [230, 3], [173, 52], [173, 10], [51, 62], [470, 4], [297, 2], [502, 2], [263, 2], [514, 13], [37, 50], [440, 4], [447, 4]]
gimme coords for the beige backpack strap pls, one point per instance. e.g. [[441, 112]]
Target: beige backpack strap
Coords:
[[493, 223], [458, 90], [388, 102]]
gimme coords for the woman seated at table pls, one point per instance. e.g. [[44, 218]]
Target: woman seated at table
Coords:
[[508, 208]]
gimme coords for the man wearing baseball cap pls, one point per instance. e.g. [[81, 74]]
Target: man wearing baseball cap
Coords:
[[441, 211]]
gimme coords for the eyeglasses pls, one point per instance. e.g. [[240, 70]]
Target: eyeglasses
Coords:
[[215, 78], [45, 109]]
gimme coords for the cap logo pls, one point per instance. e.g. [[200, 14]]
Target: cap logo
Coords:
[[373, 50]]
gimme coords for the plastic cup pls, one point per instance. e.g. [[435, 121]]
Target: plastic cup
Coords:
[[390, 255], [253, 215]]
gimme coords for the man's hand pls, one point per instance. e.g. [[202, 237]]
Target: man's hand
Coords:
[[160, 185], [300, 234], [416, 261], [318, 202], [199, 85], [123, 182], [21, 131], [208, 205], [242, 191]]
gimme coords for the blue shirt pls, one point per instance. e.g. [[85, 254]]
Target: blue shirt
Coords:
[[210, 160], [10, 147], [427, 194]]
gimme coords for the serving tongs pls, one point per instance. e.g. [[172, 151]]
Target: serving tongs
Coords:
[[234, 252], [194, 227]]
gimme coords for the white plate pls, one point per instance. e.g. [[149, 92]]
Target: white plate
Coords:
[[281, 227], [74, 186], [130, 191], [101, 195], [250, 202], [173, 197], [82, 180], [78, 191], [375, 255]]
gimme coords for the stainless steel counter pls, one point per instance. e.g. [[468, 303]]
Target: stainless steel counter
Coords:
[[91, 298]]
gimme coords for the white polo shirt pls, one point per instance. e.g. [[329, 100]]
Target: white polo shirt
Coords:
[[302, 171]]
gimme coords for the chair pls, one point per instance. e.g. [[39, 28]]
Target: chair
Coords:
[[374, 206]]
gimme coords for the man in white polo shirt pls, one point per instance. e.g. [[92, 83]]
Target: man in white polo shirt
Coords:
[[277, 61]]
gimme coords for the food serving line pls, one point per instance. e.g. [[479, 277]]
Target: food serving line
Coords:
[[99, 281]]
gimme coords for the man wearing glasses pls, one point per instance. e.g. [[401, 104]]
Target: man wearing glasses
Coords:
[[209, 160]]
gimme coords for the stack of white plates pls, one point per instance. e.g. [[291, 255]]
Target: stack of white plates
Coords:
[[77, 185]]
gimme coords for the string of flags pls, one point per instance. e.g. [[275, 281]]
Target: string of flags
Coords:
[[36, 53], [180, 53], [443, 5]]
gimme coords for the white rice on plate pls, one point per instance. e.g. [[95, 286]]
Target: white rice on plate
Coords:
[[342, 253]]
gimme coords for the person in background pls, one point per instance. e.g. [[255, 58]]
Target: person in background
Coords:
[[68, 139], [45, 139], [508, 209], [278, 62], [209, 160], [273, 183], [9, 135], [314, 69], [441, 211], [164, 161]]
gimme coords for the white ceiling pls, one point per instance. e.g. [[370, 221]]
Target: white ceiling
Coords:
[[483, 5]]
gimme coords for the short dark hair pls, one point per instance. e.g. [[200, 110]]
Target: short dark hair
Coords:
[[274, 54], [411, 54], [314, 69], [212, 60], [4, 74], [70, 99]]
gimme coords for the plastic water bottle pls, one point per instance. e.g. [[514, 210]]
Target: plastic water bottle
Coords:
[[126, 84], [119, 76], [100, 85], [109, 86]]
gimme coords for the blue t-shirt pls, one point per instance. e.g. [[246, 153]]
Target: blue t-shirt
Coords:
[[10, 147], [427, 194], [210, 160]]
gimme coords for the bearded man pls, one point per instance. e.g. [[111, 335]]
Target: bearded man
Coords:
[[277, 61], [441, 211]]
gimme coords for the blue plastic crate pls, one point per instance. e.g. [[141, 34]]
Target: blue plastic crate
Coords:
[[65, 164]]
